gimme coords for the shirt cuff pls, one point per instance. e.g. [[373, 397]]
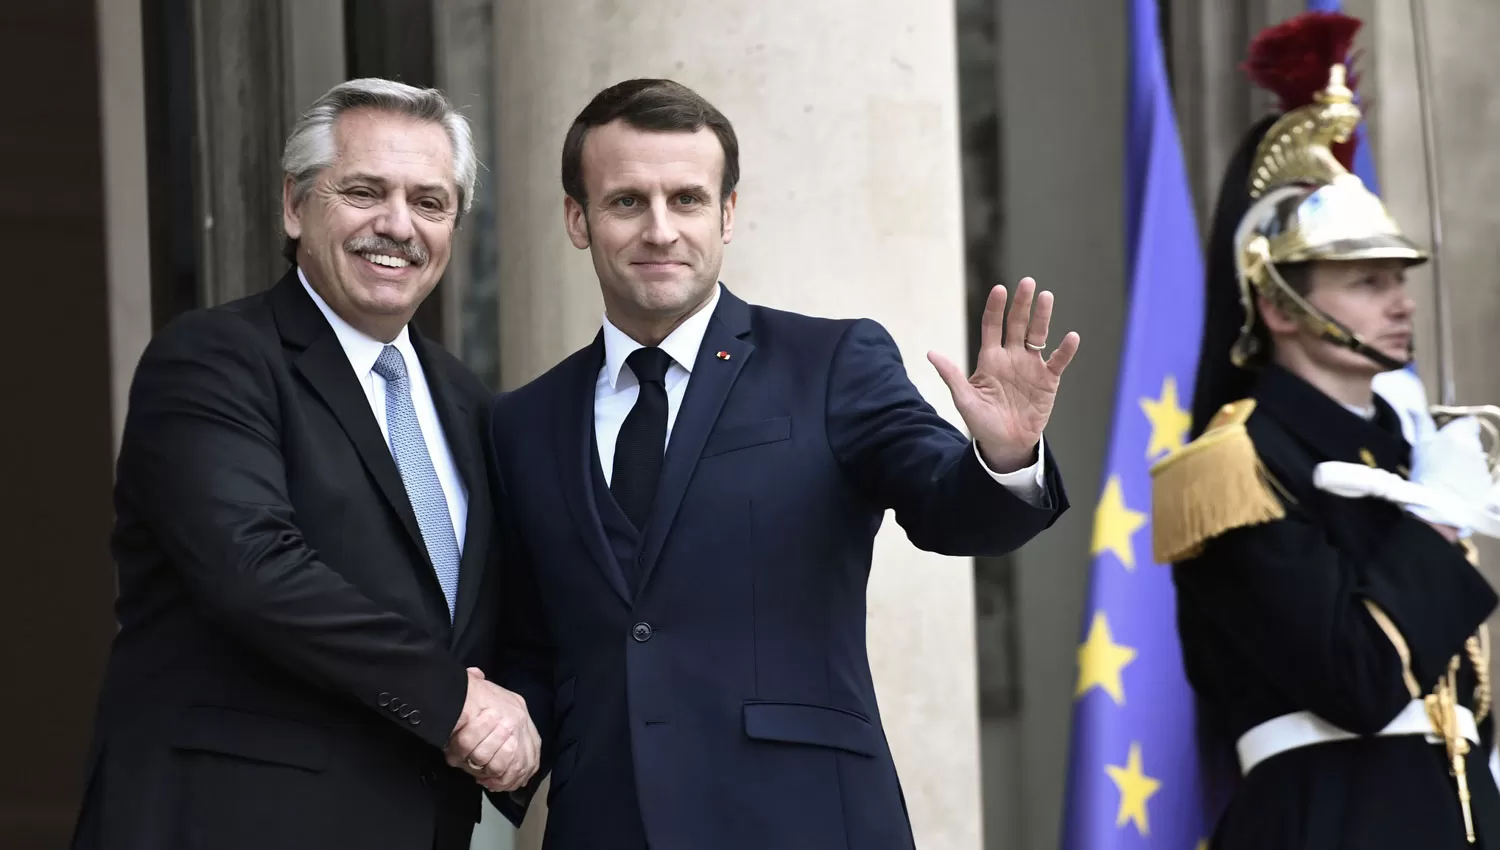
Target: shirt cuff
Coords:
[[1028, 483]]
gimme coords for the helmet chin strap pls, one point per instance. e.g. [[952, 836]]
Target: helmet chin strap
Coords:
[[1330, 330], [1325, 326]]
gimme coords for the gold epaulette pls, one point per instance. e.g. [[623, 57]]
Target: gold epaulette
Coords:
[[1212, 485]]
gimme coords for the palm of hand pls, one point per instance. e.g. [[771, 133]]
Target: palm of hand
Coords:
[[1008, 401]]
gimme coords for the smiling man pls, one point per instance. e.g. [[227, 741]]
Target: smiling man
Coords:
[[691, 504], [304, 531]]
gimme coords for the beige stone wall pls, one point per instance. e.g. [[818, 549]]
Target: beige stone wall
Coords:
[[849, 206], [1462, 35]]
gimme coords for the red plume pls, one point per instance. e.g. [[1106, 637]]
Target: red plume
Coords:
[[1291, 60]]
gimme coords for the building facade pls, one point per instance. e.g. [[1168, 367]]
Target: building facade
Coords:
[[900, 156]]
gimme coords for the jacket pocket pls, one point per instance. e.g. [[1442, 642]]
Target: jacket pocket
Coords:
[[257, 737], [803, 723], [731, 438]]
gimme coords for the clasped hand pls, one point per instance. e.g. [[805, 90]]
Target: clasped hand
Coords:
[[494, 740]]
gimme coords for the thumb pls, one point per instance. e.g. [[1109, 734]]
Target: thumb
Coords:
[[950, 373], [475, 673]]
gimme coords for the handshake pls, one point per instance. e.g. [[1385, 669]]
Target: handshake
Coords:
[[494, 740]]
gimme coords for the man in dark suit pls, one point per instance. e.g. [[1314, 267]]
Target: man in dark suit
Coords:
[[690, 504], [304, 531]]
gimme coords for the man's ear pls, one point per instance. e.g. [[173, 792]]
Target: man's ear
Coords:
[[1277, 320], [575, 219], [727, 222], [291, 216]]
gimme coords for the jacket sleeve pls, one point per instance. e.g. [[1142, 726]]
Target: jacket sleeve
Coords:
[[202, 462], [525, 652], [902, 455], [1305, 615]]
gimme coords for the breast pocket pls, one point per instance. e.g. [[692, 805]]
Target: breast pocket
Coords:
[[733, 437]]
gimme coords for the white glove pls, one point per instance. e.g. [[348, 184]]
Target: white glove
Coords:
[[1452, 461], [1403, 391], [1357, 481]]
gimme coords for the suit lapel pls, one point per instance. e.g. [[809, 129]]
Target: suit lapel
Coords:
[[575, 451], [460, 431], [324, 364], [708, 387]]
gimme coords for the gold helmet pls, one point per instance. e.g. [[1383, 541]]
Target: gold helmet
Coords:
[[1306, 207]]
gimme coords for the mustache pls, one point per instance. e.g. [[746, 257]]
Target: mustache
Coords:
[[410, 251]]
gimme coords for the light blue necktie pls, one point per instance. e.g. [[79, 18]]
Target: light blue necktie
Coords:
[[422, 485]]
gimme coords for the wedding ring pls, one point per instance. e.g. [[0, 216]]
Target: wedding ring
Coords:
[[1035, 347], [473, 766]]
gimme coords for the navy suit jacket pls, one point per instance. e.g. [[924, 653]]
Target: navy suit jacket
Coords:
[[726, 701]]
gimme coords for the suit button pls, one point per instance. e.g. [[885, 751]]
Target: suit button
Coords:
[[641, 632], [396, 705], [429, 778], [415, 719], [406, 711], [384, 699]]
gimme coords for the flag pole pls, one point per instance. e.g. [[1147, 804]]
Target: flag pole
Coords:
[[1446, 389]]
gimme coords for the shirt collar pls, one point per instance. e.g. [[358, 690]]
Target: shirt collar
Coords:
[[681, 344], [361, 348]]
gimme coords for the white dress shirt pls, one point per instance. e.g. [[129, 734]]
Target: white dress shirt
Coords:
[[616, 390], [363, 350]]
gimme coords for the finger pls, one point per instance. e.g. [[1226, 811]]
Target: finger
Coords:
[[499, 743], [515, 769], [949, 372], [1041, 320], [1064, 354], [513, 774], [470, 736], [475, 673], [992, 323], [533, 752], [1020, 313]]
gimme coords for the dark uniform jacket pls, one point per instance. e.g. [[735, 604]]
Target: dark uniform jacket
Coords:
[[1274, 619]]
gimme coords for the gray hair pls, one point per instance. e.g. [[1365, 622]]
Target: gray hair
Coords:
[[311, 147]]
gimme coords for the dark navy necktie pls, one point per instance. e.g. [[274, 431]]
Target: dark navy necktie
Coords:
[[643, 437]]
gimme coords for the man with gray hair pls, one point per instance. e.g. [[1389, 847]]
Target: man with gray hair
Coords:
[[303, 531]]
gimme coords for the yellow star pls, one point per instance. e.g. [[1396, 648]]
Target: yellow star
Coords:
[[1101, 660], [1114, 523], [1169, 422], [1135, 789]]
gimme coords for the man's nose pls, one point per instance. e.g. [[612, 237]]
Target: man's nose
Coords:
[[395, 221]]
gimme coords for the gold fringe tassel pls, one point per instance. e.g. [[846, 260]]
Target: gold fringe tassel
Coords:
[[1212, 485]]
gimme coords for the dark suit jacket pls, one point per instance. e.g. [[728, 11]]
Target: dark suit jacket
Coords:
[[285, 674], [726, 702], [1273, 620]]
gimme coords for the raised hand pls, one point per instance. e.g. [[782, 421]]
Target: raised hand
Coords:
[[1007, 401]]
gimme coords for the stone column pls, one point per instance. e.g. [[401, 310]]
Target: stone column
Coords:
[[1062, 187], [123, 129], [240, 79], [849, 206]]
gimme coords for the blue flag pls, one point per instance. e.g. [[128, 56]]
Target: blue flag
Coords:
[[1133, 775]]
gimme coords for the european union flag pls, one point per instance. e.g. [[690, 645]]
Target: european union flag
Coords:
[[1133, 780]]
